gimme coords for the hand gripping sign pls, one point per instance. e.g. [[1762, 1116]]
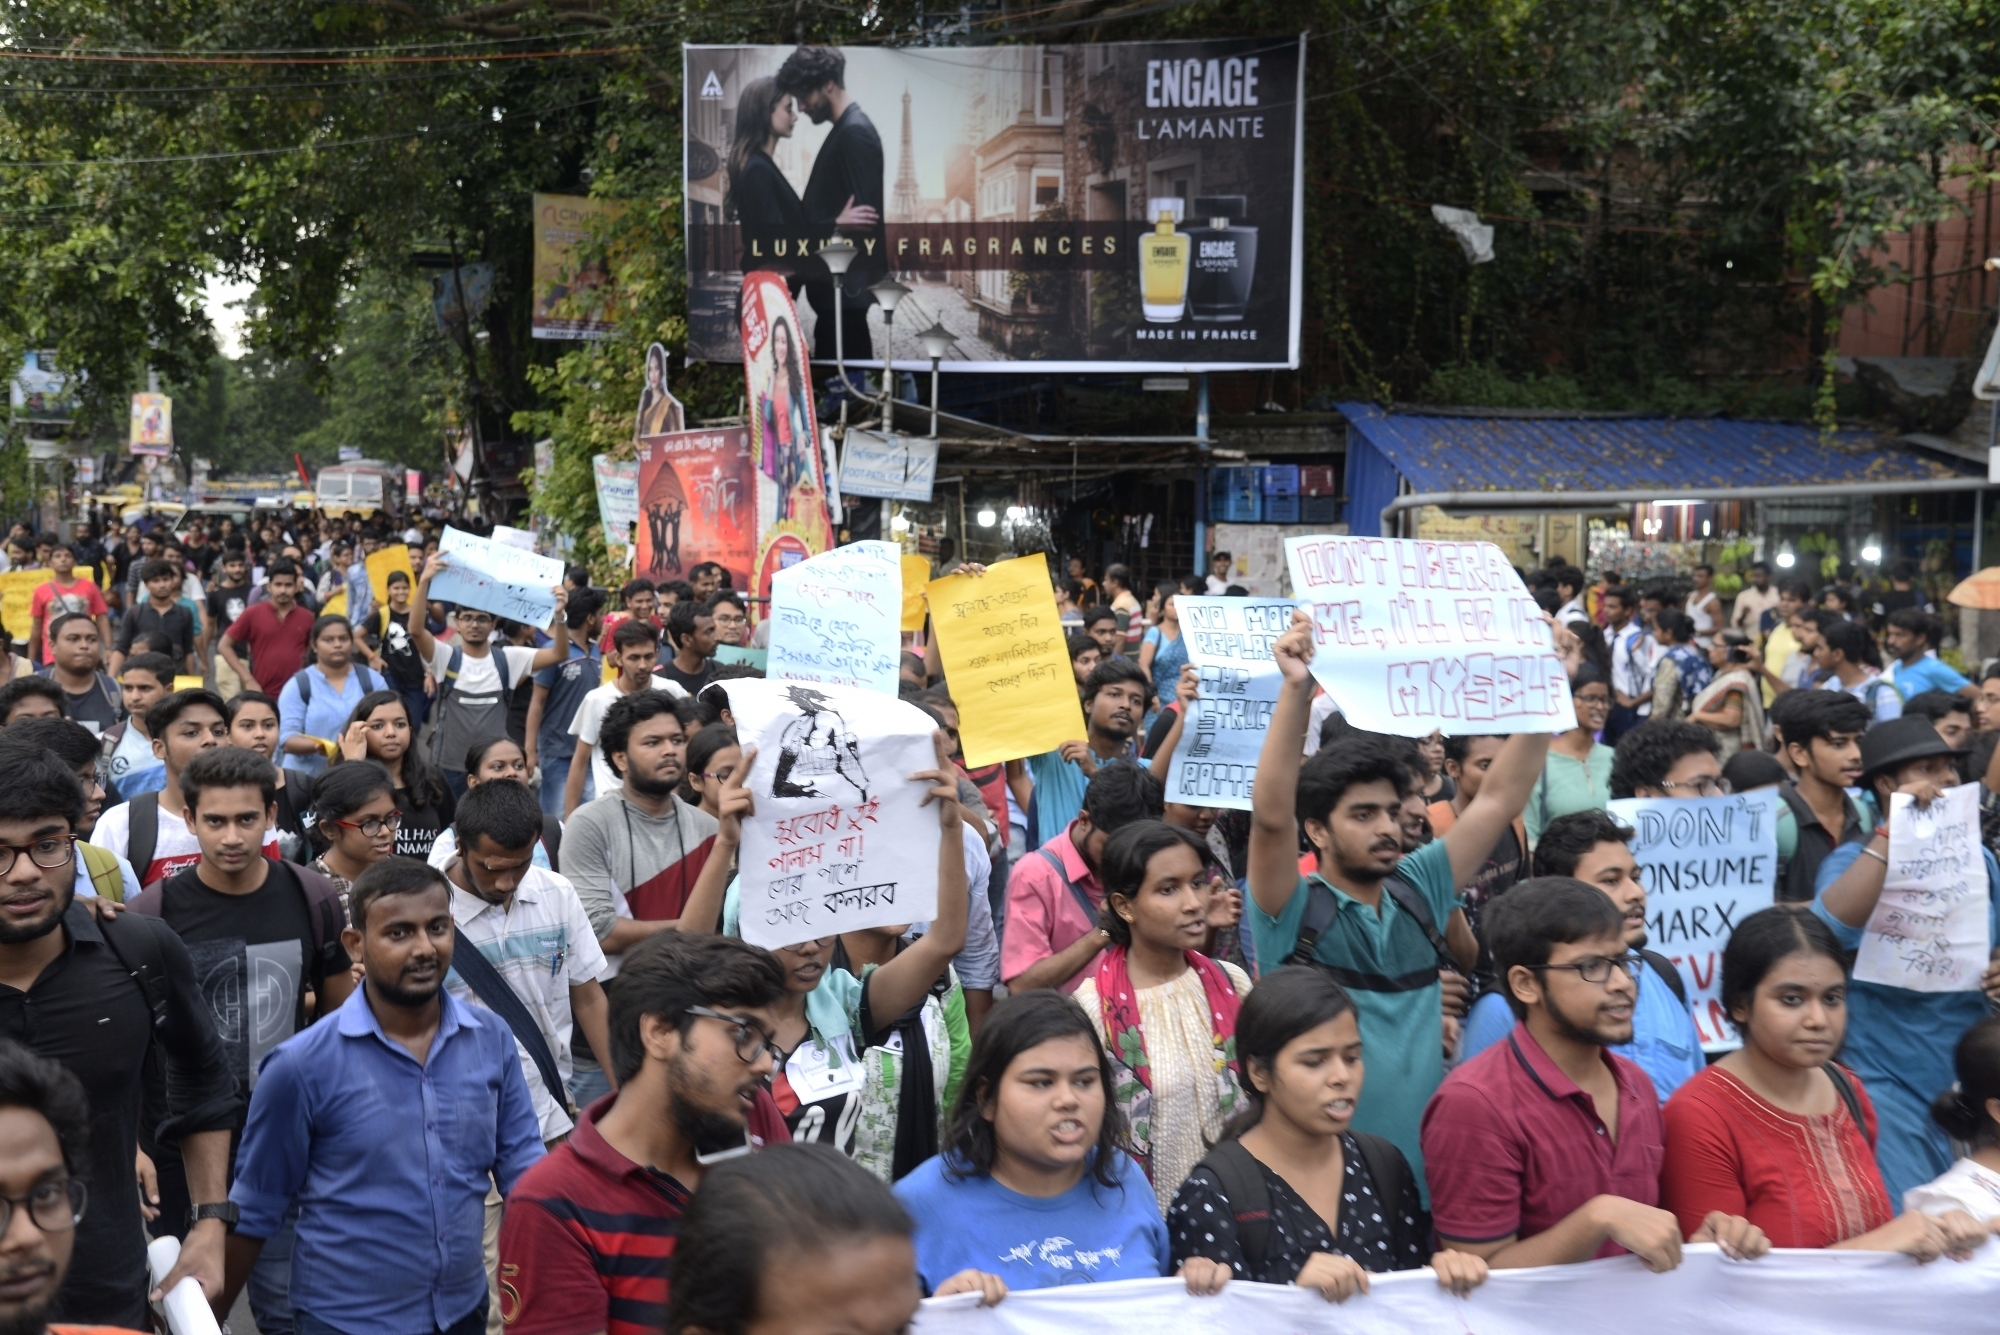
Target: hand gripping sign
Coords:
[[1417, 636]]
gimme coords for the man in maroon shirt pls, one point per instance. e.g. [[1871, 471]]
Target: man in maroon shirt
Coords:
[[588, 1237], [276, 631], [1545, 1149]]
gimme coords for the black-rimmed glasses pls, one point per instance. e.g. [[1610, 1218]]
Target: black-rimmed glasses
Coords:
[[748, 1038], [48, 853], [1597, 969], [1705, 786], [56, 1207]]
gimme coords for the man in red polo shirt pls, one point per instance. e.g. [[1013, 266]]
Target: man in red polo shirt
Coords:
[[1545, 1149], [588, 1238], [276, 631]]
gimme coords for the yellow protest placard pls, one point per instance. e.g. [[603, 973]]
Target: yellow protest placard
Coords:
[[1001, 641], [916, 574], [184, 682], [384, 563], [17, 592]]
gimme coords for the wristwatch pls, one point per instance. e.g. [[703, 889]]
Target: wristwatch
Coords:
[[226, 1211]]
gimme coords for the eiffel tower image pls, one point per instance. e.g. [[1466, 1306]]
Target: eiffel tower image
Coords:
[[907, 203]]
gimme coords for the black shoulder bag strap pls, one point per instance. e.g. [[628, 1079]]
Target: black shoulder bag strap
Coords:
[[1321, 909], [1387, 1166], [1669, 975], [139, 954], [1090, 910], [1242, 1180], [1844, 1087], [487, 984], [1412, 903], [552, 841], [143, 835]]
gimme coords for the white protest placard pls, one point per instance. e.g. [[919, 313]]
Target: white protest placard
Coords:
[[1413, 636], [837, 618], [897, 468], [495, 576], [1788, 1291], [840, 839], [1929, 930], [1229, 642], [1707, 864]]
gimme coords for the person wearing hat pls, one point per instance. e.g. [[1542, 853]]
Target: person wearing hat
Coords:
[[1900, 1041]]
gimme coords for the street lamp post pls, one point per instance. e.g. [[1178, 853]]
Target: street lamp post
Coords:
[[837, 255], [937, 341], [888, 295]]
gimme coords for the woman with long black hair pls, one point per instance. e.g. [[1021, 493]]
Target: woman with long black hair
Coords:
[[380, 730]]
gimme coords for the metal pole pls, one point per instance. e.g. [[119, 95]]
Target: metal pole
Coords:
[[840, 347], [1201, 478], [934, 411], [1978, 525]]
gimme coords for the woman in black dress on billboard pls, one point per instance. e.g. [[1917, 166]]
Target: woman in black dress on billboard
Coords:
[[760, 198]]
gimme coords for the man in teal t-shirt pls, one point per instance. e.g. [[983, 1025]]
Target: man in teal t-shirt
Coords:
[[1348, 797]]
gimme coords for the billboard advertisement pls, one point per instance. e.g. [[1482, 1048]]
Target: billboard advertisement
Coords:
[[697, 502], [152, 425], [793, 500], [561, 223], [1117, 207]]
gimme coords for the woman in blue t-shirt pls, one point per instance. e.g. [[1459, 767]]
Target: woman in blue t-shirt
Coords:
[[1163, 653], [1034, 1186]]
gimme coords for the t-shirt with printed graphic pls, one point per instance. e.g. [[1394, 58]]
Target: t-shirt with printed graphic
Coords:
[[1091, 1234], [254, 955], [226, 602], [175, 850], [134, 768]]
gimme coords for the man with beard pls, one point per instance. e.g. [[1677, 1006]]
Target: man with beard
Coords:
[[1114, 705], [389, 1123], [1388, 925], [1591, 847], [95, 997], [1545, 1149], [846, 172], [588, 1240], [635, 852]]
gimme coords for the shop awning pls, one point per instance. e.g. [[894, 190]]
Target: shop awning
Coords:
[[1398, 461]]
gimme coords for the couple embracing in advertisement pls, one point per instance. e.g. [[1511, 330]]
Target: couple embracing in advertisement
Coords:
[[843, 194]]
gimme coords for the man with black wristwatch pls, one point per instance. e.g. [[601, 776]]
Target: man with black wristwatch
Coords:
[[94, 996]]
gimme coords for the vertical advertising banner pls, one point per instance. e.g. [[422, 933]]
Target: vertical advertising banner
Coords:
[[793, 522], [697, 503], [617, 501], [1132, 207], [561, 274], [152, 425]]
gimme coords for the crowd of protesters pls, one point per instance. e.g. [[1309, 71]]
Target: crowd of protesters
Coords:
[[385, 953]]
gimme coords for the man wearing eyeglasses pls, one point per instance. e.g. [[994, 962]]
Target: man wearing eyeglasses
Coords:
[[68, 990], [1545, 1149], [264, 936], [588, 1238]]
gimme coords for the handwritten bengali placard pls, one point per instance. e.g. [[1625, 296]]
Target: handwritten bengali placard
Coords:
[[916, 574], [1707, 864], [834, 618], [1229, 642], [497, 577], [1930, 928], [17, 596], [1000, 638], [840, 839], [1413, 636]]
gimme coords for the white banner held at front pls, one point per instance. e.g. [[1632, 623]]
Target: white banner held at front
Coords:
[[1929, 929], [1229, 641], [1707, 864], [1822, 1292], [837, 618], [495, 576], [841, 839], [1414, 636]]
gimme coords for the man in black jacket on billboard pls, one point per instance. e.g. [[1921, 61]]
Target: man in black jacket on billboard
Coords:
[[847, 171]]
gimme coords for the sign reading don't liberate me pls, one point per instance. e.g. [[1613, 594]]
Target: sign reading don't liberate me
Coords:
[[1707, 864], [1411, 637], [1229, 642]]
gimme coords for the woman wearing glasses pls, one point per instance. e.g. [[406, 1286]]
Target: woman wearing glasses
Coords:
[[1577, 774], [1779, 1132], [355, 821]]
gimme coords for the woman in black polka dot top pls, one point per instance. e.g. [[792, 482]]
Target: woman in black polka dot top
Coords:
[[1316, 1204]]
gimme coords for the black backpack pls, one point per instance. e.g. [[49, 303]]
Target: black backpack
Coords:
[[369, 682], [1242, 1179], [1322, 908]]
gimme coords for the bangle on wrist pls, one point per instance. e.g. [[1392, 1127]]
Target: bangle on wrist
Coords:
[[1869, 852]]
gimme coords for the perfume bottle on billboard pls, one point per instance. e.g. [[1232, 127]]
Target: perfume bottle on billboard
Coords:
[[1163, 264], [1224, 261]]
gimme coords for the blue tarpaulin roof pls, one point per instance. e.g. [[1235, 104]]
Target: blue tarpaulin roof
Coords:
[[1586, 455]]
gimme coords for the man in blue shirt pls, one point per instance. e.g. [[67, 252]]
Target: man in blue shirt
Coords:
[[1900, 1041], [1114, 707], [389, 1123], [1912, 638], [559, 693], [1595, 849], [1368, 935]]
